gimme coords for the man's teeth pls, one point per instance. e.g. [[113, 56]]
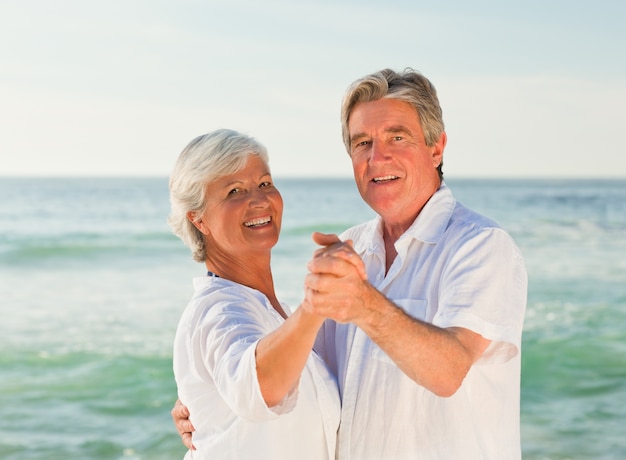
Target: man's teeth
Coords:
[[256, 222], [384, 178]]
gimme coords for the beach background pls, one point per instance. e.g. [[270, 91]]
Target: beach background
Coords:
[[92, 284], [97, 99]]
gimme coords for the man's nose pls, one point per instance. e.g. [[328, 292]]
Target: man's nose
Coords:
[[379, 152]]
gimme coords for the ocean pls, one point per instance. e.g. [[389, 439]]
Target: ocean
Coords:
[[92, 284]]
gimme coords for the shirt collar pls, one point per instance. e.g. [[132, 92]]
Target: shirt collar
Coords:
[[432, 221], [429, 225]]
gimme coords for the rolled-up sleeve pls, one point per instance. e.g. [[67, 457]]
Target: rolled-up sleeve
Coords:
[[224, 344], [485, 291]]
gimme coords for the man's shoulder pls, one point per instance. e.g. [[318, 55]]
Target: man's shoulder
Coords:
[[467, 226], [465, 216]]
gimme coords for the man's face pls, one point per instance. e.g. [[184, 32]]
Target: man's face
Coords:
[[395, 171]]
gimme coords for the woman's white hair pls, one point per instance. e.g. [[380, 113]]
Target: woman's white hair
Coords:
[[205, 159]]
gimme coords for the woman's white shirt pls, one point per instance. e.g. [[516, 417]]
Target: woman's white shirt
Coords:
[[215, 371]]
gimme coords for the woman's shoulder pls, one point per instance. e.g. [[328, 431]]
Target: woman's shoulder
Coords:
[[216, 298]]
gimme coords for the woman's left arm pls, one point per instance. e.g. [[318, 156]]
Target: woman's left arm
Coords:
[[282, 355]]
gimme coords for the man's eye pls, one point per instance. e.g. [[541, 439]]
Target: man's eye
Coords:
[[265, 184]]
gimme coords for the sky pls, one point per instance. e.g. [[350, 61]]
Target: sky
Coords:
[[119, 87]]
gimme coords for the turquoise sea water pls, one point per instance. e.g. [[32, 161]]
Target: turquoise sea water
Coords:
[[92, 284]]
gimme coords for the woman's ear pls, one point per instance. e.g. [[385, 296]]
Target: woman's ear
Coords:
[[196, 219]]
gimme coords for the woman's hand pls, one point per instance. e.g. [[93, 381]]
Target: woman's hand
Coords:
[[180, 416]]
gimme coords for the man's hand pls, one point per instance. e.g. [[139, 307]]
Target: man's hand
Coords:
[[334, 247], [180, 416]]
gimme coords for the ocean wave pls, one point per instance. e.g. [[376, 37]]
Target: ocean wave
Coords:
[[309, 228], [24, 249]]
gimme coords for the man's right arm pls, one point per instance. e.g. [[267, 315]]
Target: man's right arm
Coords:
[[436, 358]]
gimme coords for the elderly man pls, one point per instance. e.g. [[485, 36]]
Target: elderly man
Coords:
[[427, 349]]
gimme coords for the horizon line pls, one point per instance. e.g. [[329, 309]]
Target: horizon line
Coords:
[[307, 177]]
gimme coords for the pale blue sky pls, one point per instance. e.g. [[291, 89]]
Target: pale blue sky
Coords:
[[533, 88]]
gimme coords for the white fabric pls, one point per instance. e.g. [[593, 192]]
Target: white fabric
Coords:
[[215, 370], [454, 268]]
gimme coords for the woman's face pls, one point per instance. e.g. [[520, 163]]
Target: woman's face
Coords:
[[243, 211]]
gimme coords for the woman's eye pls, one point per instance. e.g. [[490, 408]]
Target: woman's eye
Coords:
[[234, 191], [265, 184]]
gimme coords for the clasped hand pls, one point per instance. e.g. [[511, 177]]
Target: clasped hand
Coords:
[[336, 286]]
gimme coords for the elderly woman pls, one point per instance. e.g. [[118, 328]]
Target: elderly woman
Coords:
[[243, 362]]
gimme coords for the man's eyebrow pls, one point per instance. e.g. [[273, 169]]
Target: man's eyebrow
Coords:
[[357, 137], [398, 129], [394, 129]]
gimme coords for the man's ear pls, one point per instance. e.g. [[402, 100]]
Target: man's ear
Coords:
[[196, 219], [438, 149]]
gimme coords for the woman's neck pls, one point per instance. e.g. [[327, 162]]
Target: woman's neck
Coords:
[[253, 272]]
